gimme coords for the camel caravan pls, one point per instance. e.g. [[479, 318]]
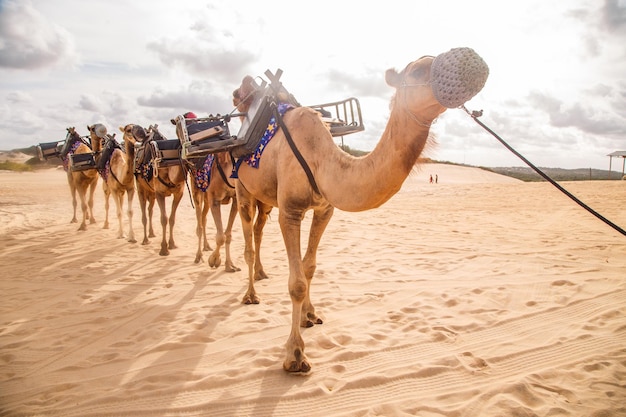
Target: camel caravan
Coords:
[[284, 156]]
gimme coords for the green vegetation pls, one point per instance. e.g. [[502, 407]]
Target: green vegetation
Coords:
[[558, 174], [15, 166], [353, 152]]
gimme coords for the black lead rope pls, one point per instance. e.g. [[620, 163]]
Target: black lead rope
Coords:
[[476, 114]]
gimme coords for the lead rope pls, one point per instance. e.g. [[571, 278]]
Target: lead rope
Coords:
[[476, 114]]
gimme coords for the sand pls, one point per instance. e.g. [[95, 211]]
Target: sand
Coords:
[[477, 296]]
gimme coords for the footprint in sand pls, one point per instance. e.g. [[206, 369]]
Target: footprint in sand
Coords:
[[472, 363], [443, 334]]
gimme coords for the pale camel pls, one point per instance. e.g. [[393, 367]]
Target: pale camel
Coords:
[[165, 181], [133, 135], [82, 182], [220, 190], [345, 182], [116, 169]]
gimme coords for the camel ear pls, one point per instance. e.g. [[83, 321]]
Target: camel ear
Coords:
[[392, 78], [122, 128]]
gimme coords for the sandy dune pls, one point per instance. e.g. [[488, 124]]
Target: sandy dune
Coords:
[[477, 296]]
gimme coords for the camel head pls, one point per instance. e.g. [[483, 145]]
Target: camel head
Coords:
[[72, 134], [98, 133], [134, 133], [244, 95], [430, 85]]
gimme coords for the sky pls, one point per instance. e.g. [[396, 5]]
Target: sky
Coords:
[[556, 90]]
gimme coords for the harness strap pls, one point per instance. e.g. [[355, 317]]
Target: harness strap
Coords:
[[296, 152], [222, 174]]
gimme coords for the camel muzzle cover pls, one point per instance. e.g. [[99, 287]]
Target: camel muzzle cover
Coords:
[[457, 75]]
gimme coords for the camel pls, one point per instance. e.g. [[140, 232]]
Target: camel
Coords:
[[133, 135], [219, 191], [337, 179], [210, 189], [81, 182], [165, 181], [116, 169]]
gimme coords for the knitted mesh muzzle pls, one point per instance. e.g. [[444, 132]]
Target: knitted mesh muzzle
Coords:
[[457, 75], [100, 131]]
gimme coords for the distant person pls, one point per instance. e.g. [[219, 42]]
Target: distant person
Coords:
[[431, 179], [436, 178]]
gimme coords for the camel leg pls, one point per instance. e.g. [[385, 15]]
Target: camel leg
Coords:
[[144, 219], [172, 220], [290, 224], [205, 211], [92, 191], [151, 200], [264, 211], [228, 266], [200, 207], [247, 208], [321, 218], [160, 198], [223, 238], [70, 181], [216, 211], [83, 206], [107, 194], [118, 198], [130, 194]]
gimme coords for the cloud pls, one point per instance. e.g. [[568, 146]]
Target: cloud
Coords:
[[205, 50], [614, 15], [16, 97], [587, 117], [371, 84], [29, 41], [199, 96], [90, 103]]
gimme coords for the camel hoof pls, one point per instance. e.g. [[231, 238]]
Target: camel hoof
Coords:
[[259, 275], [302, 367], [145, 242], [215, 260], [74, 221], [151, 234], [197, 260], [132, 240], [231, 268], [251, 299], [164, 252]]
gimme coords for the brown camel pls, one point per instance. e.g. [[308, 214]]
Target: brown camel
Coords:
[[98, 133], [220, 190], [342, 181], [116, 169], [164, 180], [82, 182]]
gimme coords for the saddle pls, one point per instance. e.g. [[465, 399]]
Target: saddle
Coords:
[[47, 150], [82, 161], [109, 146], [211, 135]]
